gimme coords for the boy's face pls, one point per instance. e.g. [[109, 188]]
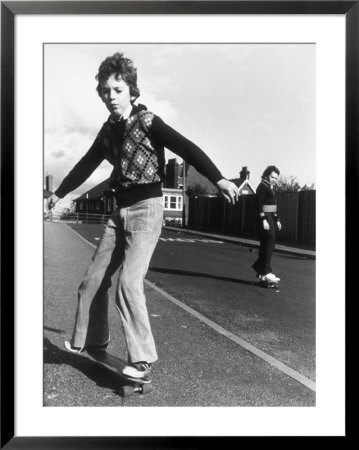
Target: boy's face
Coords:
[[273, 178], [116, 95]]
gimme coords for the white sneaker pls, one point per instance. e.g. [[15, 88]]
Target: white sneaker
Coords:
[[271, 277], [72, 349], [137, 370]]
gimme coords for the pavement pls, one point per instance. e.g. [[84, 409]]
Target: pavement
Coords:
[[280, 248], [200, 364]]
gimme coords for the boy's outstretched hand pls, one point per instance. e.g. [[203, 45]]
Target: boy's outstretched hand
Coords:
[[229, 190], [51, 201]]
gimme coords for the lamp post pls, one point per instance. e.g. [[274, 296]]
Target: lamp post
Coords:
[[184, 203]]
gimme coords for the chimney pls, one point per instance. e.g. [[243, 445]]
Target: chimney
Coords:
[[172, 173], [48, 182], [244, 173]]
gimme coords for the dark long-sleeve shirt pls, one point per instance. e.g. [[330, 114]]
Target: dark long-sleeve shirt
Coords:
[[159, 135], [265, 197]]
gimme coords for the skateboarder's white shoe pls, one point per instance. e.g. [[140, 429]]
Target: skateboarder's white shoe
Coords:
[[137, 370], [274, 278], [270, 277]]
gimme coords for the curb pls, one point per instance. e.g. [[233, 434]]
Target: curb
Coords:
[[310, 254]]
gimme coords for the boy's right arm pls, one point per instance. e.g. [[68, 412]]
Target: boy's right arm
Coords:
[[79, 174]]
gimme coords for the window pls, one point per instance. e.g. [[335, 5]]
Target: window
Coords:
[[173, 202], [81, 206]]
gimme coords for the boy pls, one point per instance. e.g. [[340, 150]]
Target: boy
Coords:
[[133, 141], [269, 221]]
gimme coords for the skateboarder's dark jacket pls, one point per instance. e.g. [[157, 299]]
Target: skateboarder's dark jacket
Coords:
[[135, 147], [266, 197]]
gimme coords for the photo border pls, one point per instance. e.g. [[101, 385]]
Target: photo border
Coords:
[[9, 9]]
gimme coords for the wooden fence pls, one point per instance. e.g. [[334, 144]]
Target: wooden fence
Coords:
[[296, 211], [77, 217]]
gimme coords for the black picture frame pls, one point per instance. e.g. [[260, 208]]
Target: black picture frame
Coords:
[[9, 10]]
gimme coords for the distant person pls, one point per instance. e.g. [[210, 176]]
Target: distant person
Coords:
[[268, 224], [133, 140]]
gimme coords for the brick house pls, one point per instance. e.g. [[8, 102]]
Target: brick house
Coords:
[[98, 200], [172, 189]]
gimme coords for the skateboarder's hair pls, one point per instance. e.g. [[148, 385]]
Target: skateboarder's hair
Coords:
[[269, 170], [122, 68]]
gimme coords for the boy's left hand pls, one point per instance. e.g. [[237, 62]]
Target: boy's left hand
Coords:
[[229, 190]]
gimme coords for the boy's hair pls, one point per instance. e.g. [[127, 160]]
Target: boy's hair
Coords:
[[121, 67], [269, 170]]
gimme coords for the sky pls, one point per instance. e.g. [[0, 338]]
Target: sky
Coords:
[[243, 104]]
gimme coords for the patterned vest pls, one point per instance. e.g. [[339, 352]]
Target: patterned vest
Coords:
[[138, 160]]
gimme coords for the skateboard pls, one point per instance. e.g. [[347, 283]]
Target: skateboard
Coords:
[[269, 284], [130, 385]]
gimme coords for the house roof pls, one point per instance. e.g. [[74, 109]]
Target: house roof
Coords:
[[240, 183], [96, 191], [47, 193], [194, 177], [247, 182]]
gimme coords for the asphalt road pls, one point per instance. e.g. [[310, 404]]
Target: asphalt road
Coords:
[[215, 280]]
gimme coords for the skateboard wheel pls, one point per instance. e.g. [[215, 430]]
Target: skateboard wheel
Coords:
[[146, 388], [127, 391]]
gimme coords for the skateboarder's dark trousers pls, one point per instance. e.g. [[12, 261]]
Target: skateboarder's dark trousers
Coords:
[[127, 245], [266, 247]]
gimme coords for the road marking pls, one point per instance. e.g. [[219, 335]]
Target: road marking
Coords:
[[246, 345], [269, 359], [207, 241], [81, 237]]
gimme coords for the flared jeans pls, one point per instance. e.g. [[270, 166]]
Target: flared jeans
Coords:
[[127, 245]]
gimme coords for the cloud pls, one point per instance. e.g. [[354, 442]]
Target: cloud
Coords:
[[68, 119], [162, 108], [58, 154]]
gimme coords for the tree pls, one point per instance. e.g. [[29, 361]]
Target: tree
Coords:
[[290, 184], [196, 190], [68, 211], [308, 188]]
